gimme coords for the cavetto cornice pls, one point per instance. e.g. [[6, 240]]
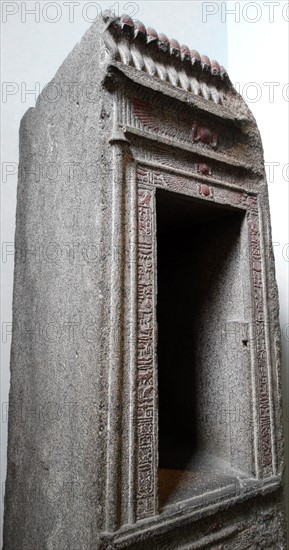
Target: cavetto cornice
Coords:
[[164, 59]]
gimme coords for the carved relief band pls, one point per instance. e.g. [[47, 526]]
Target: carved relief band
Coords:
[[146, 479]]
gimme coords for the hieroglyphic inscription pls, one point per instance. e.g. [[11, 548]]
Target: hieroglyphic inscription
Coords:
[[159, 153], [187, 186], [145, 360], [262, 359]]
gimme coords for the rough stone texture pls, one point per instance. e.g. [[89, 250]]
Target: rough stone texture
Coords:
[[142, 201]]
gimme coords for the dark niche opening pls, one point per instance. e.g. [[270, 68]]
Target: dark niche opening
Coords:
[[203, 305]]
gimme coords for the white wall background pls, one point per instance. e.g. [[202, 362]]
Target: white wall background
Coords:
[[252, 43]]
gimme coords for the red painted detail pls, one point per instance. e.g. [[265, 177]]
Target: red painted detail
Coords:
[[206, 63], [164, 43], [126, 21], [204, 190], [145, 114], [223, 72], [204, 169], [195, 56], [175, 47], [185, 49], [152, 35], [158, 120], [185, 53], [205, 135], [215, 67], [139, 29]]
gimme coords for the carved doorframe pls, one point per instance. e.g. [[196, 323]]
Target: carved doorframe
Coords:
[[148, 179]]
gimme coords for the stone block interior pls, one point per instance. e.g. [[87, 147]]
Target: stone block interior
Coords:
[[204, 358]]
